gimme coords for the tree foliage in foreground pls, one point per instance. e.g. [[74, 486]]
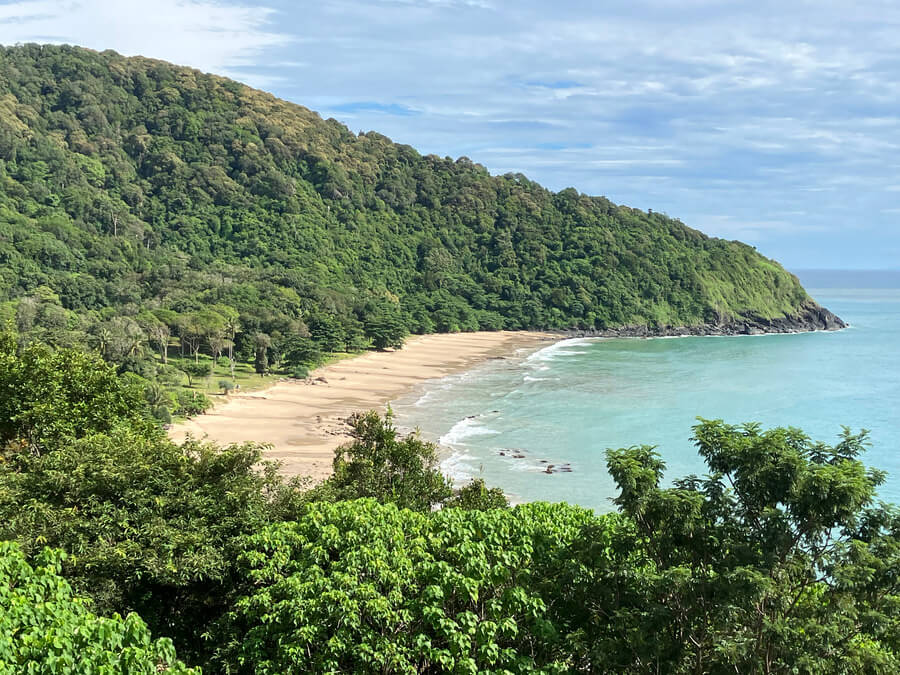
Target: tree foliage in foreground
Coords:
[[149, 525], [45, 628], [49, 397], [780, 560], [362, 587]]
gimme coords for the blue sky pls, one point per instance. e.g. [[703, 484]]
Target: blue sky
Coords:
[[771, 122]]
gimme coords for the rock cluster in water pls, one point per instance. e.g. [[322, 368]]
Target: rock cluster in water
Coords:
[[516, 453]]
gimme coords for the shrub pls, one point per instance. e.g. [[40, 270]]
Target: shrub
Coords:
[[189, 403]]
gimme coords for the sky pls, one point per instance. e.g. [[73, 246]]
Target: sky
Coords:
[[776, 123]]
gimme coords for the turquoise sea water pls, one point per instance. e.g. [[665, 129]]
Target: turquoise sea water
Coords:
[[565, 404]]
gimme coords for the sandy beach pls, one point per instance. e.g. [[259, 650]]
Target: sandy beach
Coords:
[[304, 421]]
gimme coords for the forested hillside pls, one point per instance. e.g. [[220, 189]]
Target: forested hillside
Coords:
[[142, 202]]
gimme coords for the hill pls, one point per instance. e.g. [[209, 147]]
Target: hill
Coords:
[[129, 184]]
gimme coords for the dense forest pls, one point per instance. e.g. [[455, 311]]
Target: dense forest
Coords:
[[145, 206], [123, 552]]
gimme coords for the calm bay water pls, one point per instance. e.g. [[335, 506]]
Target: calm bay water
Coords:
[[569, 402]]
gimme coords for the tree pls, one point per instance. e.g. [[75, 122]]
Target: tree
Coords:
[[217, 345], [328, 331], [475, 495], [189, 403], [776, 562], [232, 326], [195, 327], [197, 370], [363, 587], [123, 339], [50, 396], [301, 351], [102, 339], [384, 324], [262, 342], [45, 628], [190, 333], [158, 333], [147, 523], [379, 464]]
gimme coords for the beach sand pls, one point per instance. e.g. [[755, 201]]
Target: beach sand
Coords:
[[304, 421]]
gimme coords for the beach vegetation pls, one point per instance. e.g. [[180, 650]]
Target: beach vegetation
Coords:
[[195, 370], [475, 495]]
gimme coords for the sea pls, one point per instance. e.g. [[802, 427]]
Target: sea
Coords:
[[538, 423]]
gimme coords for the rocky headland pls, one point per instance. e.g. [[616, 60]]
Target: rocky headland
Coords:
[[811, 317]]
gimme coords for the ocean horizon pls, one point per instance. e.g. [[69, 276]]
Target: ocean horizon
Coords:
[[538, 423]]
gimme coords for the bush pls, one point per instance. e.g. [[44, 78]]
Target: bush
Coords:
[[189, 403], [475, 496], [169, 375], [196, 370], [162, 414]]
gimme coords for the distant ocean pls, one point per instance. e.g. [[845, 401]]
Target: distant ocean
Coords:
[[564, 405]]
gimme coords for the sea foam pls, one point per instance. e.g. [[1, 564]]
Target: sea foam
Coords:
[[465, 428], [558, 349]]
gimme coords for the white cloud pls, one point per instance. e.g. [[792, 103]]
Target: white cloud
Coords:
[[206, 34]]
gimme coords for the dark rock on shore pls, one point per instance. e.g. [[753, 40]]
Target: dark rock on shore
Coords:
[[812, 317]]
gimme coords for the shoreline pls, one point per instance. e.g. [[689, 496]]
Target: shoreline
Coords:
[[447, 452], [304, 421]]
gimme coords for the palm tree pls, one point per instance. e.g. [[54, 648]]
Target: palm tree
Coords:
[[101, 339], [155, 395]]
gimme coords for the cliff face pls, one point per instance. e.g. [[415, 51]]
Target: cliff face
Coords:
[[126, 181]]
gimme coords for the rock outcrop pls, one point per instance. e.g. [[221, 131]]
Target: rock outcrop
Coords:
[[811, 317]]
